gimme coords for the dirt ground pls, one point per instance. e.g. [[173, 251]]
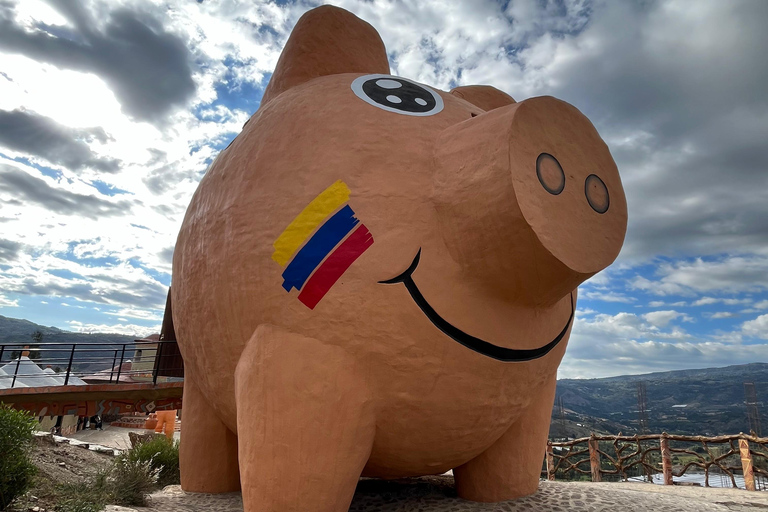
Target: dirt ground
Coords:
[[59, 463]]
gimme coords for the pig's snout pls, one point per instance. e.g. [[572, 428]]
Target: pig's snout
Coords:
[[529, 199]]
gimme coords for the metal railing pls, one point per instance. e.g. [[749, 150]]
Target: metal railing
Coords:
[[640, 457], [97, 363]]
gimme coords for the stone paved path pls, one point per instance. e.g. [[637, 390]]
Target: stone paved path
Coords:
[[436, 494], [113, 437]]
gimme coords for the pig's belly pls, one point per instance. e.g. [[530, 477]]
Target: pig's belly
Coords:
[[440, 437]]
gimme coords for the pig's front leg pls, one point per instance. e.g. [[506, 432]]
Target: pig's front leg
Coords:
[[305, 423], [511, 467]]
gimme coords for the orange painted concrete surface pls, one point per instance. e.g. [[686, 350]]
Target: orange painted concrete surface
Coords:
[[379, 278]]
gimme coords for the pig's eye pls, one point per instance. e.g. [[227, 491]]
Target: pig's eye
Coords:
[[550, 173], [597, 194], [399, 95]]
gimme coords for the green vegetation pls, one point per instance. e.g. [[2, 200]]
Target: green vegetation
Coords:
[[84, 497], [125, 483], [134, 474], [162, 456], [132, 480], [16, 468]]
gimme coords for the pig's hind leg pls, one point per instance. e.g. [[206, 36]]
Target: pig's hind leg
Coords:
[[511, 467], [208, 451], [305, 423]]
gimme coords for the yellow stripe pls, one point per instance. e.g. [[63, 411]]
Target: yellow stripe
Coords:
[[310, 217]]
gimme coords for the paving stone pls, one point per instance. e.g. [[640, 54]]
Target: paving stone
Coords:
[[437, 494]]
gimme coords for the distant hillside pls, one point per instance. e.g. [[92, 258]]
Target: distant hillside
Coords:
[[14, 330], [706, 401], [22, 328]]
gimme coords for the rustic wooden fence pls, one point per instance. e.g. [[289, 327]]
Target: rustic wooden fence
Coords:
[[616, 457]]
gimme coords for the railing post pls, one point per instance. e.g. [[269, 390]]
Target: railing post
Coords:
[[69, 366], [594, 459], [666, 459], [158, 355], [746, 465], [112, 371], [119, 368], [16, 371], [550, 462]]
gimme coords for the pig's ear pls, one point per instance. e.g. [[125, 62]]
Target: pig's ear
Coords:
[[327, 41], [483, 96]]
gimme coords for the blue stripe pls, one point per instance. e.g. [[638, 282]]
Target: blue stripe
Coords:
[[318, 247]]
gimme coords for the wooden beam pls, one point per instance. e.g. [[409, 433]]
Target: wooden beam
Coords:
[[666, 460], [594, 459], [746, 465], [550, 463]]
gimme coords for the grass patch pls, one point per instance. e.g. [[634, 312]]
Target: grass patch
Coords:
[[85, 497], [16, 468]]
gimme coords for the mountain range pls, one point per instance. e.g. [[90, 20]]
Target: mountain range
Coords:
[[708, 401], [15, 333]]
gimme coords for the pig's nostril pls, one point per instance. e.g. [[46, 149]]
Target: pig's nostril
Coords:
[[550, 173], [597, 194]]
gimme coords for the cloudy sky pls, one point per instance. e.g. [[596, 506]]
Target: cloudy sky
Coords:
[[111, 111]]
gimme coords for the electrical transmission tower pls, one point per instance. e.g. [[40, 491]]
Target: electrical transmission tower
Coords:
[[753, 413], [561, 417], [642, 407]]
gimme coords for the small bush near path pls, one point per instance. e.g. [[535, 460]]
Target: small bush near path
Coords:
[[162, 455], [132, 480], [16, 468]]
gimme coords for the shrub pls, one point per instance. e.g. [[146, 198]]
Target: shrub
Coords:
[[132, 480], [162, 455], [85, 497], [16, 468]]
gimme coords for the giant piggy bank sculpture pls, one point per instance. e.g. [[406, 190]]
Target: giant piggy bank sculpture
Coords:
[[379, 278]]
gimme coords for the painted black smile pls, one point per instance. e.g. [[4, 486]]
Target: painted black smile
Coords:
[[469, 341]]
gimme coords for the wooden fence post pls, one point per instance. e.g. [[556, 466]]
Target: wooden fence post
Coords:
[[594, 459], [550, 462], [746, 465], [666, 460]]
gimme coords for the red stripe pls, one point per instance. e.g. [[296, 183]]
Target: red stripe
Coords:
[[335, 265]]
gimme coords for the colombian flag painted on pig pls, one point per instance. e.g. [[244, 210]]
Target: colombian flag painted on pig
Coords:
[[320, 244]]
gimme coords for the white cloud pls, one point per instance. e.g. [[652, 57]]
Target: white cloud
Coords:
[[129, 329], [661, 303], [144, 314], [5, 302], [731, 274], [663, 318], [604, 358], [657, 287], [723, 314], [705, 301], [757, 328], [607, 296]]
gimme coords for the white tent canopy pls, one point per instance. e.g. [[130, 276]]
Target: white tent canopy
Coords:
[[28, 374]]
